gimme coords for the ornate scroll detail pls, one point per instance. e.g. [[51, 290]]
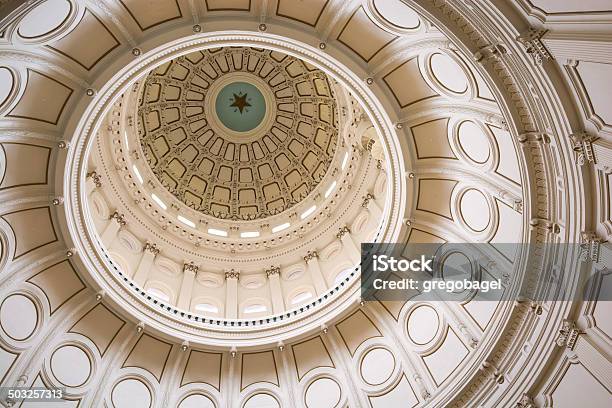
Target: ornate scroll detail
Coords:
[[232, 274], [310, 255], [532, 40], [97, 179], [525, 402], [568, 334], [342, 231], [151, 248], [366, 200], [589, 246], [120, 218], [191, 267], [272, 271], [583, 146]]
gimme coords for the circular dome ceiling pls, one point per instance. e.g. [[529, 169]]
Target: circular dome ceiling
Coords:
[[238, 133]]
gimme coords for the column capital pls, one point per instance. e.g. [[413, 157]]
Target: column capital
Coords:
[[97, 179], [232, 274], [369, 145], [151, 248], [191, 267], [583, 146], [120, 218], [589, 246], [310, 255], [366, 199], [273, 271], [568, 334], [342, 231]]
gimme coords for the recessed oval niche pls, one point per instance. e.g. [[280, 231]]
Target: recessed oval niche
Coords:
[[323, 393], [397, 13], [449, 73], [474, 142], [45, 18], [18, 317], [262, 400], [456, 267], [423, 323], [131, 393], [377, 366], [197, 401], [475, 210], [6, 84], [70, 365]]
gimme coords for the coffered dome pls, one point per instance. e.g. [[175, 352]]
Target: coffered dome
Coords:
[[238, 133], [185, 186]]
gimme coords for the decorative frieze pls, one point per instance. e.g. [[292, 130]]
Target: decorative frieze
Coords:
[[532, 40]]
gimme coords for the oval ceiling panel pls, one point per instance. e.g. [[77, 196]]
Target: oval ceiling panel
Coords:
[[71, 366], [323, 393], [131, 393], [475, 210], [397, 13], [423, 324], [448, 73], [456, 267], [197, 401], [474, 142], [6, 84], [262, 400], [377, 366], [18, 317], [45, 18]]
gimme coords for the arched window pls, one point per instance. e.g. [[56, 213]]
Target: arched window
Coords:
[[342, 275], [159, 294], [301, 297], [206, 308], [256, 308]]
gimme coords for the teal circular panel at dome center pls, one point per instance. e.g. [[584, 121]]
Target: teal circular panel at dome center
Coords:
[[240, 106]]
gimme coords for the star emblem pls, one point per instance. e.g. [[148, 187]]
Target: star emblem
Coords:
[[240, 102]]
